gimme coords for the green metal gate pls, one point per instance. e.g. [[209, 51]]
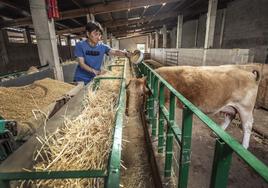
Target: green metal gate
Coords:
[[111, 175], [225, 144]]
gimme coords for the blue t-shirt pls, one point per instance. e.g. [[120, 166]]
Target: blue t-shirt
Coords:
[[93, 56]]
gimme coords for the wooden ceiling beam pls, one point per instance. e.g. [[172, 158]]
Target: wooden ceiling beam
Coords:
[[95, 9], [77, 3], [122, 22], [152, 24], [149, 28], [14, 6]]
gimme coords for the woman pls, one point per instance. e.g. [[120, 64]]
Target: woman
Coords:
[[90, 53]]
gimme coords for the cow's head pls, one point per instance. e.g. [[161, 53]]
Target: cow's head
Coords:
[[136, 95]]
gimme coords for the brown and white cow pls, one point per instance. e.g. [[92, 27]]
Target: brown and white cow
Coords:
[[136, 95], [224, 89]]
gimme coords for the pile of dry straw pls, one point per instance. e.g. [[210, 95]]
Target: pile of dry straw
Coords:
[[17, 103], [83, 143]]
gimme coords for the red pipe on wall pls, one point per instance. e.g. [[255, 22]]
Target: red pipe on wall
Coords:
[[52, 9]]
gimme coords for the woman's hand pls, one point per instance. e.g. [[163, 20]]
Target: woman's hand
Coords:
[[96, 72], [103, 72]]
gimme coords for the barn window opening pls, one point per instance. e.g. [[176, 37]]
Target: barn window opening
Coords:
[[141, 47]]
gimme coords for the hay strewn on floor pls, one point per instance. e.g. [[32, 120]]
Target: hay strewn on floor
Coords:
[[17, 103], [82, 143]]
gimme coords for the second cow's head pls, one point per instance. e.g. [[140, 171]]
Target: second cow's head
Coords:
[[137, 93]]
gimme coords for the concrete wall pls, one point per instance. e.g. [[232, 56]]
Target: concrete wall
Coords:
[[246, 26], [68, 73], [66, 52], [188, 34], [21, 56], [201, 31], [217, 34], [195, 57], [131, 43]]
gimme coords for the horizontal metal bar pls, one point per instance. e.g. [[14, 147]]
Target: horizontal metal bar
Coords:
[[113, 178], [110, 78], [115, 65], [53, 175]]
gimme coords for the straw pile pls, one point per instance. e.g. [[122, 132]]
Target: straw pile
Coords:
[[32, 70], [18, 102], [68, 62], [83, 143]]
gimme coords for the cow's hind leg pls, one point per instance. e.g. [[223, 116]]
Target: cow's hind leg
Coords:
[[247, 122]]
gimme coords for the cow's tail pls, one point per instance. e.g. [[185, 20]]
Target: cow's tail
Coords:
[[257, 75]]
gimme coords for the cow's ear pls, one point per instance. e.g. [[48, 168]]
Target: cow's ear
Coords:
[[128, 84]]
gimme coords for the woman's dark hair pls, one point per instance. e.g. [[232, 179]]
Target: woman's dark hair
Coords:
[[92, 26]]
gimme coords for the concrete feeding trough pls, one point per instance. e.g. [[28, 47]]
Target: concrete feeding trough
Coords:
[[31, 79]]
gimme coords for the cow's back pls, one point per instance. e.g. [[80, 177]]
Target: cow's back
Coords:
[[209, 87]]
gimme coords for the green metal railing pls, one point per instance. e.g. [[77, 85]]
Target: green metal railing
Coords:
[[111, 175], [225, 144]]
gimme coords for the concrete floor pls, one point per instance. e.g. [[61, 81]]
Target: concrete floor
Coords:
[[203, 143], [136, 172]]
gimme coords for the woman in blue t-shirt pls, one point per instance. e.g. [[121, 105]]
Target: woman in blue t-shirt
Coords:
[[90, 53]]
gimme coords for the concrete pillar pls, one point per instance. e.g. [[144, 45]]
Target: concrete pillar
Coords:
[[222, 26], [3, 50], [59, 40], [115, 43], [156, 39], [46, 37], [27, 36], [105, 35], [179, 31], [105, 42], [173, 38], [150, 40], [147, 44], [90, 17], [111, 40], [164, 36], [70, 46], [196, 32], [211, 23]]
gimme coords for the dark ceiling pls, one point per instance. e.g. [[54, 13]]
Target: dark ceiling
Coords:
[[121, 17]]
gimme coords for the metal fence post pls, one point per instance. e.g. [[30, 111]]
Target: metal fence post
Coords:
[[169, 142], [161, 118], [154, 102], [221, 165], [185, 155]]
